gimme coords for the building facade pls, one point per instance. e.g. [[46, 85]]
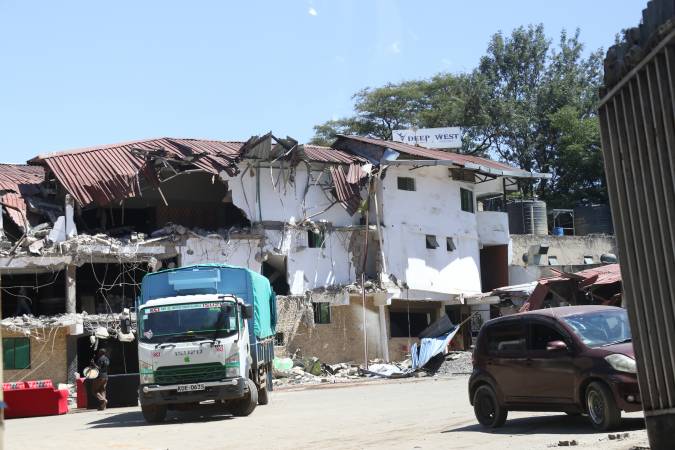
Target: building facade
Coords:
[[365, 243]]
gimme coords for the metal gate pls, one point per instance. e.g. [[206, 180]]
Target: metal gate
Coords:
[[637, 118]]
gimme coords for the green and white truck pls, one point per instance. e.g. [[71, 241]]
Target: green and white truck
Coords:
[[205, 335]]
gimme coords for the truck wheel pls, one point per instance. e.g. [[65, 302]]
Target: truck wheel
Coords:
[[601, 406], [487, 408], [263, 396], [154, 413], [246, 405]]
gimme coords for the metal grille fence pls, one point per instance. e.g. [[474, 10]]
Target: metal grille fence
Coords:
[[638, 138]]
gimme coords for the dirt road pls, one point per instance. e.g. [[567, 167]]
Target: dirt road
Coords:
[[423, 413]]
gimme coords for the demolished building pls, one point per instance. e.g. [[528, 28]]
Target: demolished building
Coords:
[[365, 243]]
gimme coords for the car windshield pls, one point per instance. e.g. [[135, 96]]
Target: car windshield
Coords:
[[601, 328], [188, 321]]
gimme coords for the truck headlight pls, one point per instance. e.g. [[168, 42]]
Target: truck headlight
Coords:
[[621, 363], [232, 366], [146, 372]]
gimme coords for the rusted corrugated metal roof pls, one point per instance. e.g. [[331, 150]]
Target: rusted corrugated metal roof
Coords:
[[18, 180], [609, 274], [584, 280], [111, 172], [107, 173], [331, 155], [347, 194], [425, 153]]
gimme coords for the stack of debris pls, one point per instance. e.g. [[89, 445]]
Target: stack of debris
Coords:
[[93, 324], [296, 371]]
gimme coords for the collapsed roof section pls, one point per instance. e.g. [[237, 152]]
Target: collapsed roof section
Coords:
[[17, 182], [102, 175], [347, 181], [105, 174], [397, 153], [602, 283]]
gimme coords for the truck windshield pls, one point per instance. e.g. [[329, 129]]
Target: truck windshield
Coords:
[[601, 328], [188, 321]]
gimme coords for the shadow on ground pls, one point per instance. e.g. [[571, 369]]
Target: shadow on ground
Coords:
[[135, 418], [559, 424]]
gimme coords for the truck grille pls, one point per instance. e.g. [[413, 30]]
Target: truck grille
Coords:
[[190, 373]]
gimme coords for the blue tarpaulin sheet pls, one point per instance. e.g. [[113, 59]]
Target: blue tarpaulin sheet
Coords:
[[430, 347]]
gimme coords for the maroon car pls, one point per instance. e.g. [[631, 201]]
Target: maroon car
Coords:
[[574, 359]]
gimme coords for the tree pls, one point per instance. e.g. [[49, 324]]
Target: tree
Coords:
[[529, 103]]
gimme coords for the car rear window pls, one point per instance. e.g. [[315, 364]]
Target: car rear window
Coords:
[[506, 338]]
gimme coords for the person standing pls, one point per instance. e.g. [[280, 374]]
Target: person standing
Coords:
[[99, 384]]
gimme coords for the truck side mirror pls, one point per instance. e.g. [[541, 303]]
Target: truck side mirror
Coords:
[[556, 346], [247, 312]]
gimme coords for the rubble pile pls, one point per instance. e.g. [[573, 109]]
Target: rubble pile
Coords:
[[90, 322], [297, 371], [454, 363]]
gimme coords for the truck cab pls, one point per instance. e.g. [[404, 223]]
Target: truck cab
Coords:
[[199, 344]]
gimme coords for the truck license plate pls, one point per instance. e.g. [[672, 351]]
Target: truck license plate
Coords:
[[191, 387]]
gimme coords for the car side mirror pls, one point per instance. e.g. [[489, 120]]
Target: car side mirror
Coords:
[[556, 346], [247, 312]]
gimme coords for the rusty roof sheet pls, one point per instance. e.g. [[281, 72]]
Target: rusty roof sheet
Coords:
[[319, 153], [18, 180], [425, 153], [347, 194], [107, 173], [609, 274]]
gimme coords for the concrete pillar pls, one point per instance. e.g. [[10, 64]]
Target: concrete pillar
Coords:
[[70, 288], [384, 338], [71, 229], [71, 357]]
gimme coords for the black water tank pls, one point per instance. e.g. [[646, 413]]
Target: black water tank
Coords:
[[593, 219]]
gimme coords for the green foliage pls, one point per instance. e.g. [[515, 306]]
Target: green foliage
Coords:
[[529, 103]]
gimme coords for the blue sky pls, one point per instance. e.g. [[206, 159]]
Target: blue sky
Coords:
[[81, 73]]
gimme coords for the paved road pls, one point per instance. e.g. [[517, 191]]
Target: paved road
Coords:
[[422, 413]]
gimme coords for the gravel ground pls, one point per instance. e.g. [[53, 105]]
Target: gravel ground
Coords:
[[455, 363]]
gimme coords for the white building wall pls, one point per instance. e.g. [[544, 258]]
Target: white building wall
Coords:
[[433, 208], [282, 201], [493, 227], [236, 252], [310, 268]]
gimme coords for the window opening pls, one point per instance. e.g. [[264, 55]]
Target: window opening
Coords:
[[466, 196], [279, 339], [16, 353], [450, 244], [316, 239], [321, 313], [406, 183], [552, 260], [432, 243]]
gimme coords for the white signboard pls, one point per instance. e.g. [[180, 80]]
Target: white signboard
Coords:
[[449, 137]]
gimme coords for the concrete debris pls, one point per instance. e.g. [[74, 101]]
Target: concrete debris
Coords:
[[455, 363], [567, 443], [81, 323], [312, 371], [618, 436]]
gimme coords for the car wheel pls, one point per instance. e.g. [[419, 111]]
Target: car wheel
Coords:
[[601, 407], [487, 409], [263, 396], [245, 406]]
